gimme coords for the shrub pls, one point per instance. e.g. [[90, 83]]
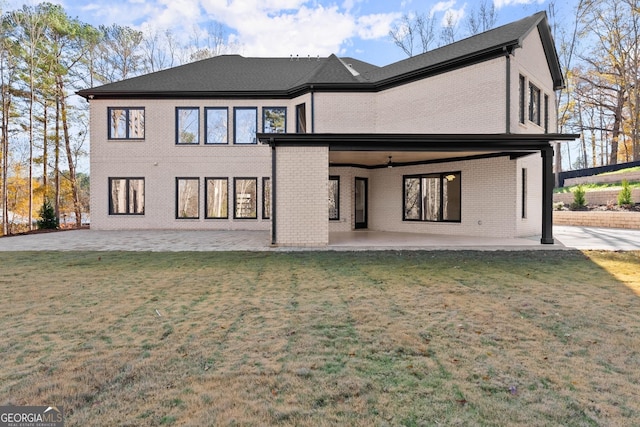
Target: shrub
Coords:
[[579, 202], [624, 196], [48, 220]]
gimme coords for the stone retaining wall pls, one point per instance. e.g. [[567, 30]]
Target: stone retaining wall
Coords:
[[609, 219]]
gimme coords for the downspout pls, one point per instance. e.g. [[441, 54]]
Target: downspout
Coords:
[[273, 192], [313, 121], [508, 92]]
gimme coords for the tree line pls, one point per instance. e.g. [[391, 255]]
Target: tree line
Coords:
[[45, 57]]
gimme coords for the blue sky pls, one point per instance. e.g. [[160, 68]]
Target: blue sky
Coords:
[[357, 28]]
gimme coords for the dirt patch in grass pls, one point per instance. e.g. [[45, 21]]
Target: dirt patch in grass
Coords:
[[387, 338]]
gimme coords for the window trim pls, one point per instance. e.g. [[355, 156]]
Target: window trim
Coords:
[[546, 113], [127, 200], [235, 125], [440, 176], [178, 109], [336, 178], [206, 125], [235, 197], [128, 137], [206, 196], [266, 179], [190, 178], [264, 113]]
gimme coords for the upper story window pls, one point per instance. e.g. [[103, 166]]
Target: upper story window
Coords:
[[521, 95], [245, 124], [274, 119], [216, 121], [534, 104], [126, 123], [301, 118], [187, 125]]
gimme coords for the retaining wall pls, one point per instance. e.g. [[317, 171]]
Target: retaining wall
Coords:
[[608, 219]]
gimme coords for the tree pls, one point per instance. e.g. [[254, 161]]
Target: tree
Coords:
[[483, 19], [118, 54], [414, 29]]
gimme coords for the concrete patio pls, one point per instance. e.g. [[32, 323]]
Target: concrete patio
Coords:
[[566, 237]]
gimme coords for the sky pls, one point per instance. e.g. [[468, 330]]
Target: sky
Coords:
[[281, 28]]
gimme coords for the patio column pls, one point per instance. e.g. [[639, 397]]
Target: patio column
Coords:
[[547, 195]]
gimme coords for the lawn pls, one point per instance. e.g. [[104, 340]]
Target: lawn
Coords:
[[533, 338]]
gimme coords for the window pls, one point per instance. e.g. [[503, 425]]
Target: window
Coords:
[[546, 114], [266, 198], [274, 119], [187, 125], [432, 197], [534, 104], [216, 125], [245, 125], [126, 196], [126, 123], [244, 196], [301, 118], [334, 197], [217, 197], [522, 94], [524, 193], [187, 197]]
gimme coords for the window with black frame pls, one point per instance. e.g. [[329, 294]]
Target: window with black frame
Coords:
[[432, 197], [126, 123], [187, 125], [126, 196], [187, 198], [334, 198]]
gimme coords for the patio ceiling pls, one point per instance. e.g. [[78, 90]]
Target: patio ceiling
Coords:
[[373, 159]]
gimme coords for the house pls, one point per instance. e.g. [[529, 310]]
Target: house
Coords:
[[454, 141]]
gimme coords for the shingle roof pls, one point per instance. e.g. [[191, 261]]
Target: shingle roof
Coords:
[[238, 76]]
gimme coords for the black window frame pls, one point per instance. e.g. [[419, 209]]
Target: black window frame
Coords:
[[534, 104], [206, 196], [235, 197], [235, 125], [127, 196], [206, 125], [546, 113], [301, 118], [337, 199], [177, 196], [178, 109], [127, 137], [266, 198], [441, 176], [522, 96], [264, 119]]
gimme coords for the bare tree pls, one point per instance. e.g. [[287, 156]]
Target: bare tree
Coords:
[[483, 19], [412, 30]]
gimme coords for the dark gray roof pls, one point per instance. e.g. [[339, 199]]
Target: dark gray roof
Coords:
[[229, 76]]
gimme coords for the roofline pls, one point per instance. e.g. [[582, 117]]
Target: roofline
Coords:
[[417, 142]]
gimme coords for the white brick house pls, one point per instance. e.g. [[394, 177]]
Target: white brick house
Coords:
[[454, 141]]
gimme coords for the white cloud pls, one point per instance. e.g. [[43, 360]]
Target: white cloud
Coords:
[[442, 6], [502, 3], [375, 26], [453, 16]]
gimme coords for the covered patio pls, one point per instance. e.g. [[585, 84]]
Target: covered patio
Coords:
[[377, 151]]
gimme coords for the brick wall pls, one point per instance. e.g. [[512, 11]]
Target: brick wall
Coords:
[[611, 178], [601, 197], [608, 219], [302, 178]]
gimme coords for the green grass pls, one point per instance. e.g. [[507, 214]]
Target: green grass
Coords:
[[596, 187], [309, 339]]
